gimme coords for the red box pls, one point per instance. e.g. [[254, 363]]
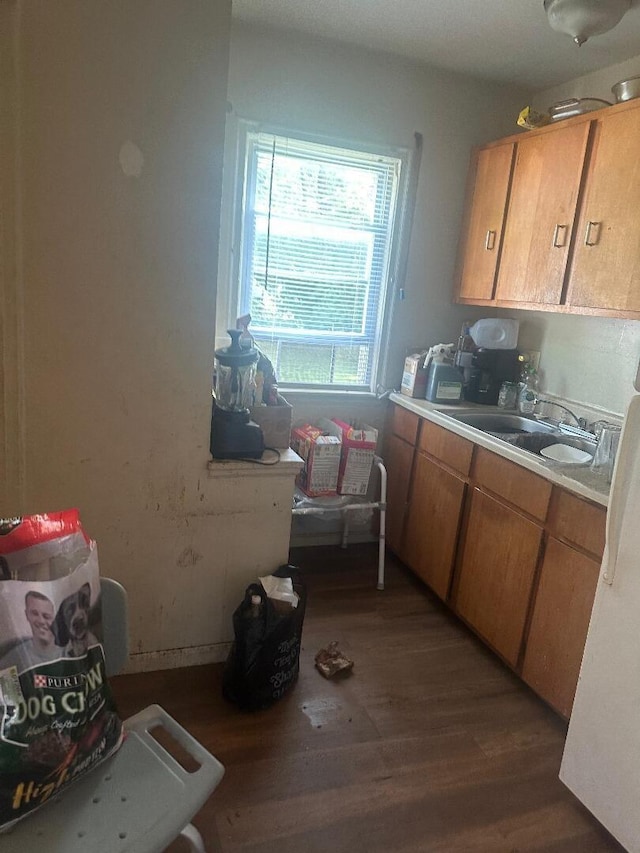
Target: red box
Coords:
[[321, 454], [358, 451]]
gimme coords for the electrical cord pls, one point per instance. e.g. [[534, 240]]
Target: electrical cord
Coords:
[[262, 462]]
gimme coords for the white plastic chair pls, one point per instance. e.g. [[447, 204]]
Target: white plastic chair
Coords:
[[139, 800]]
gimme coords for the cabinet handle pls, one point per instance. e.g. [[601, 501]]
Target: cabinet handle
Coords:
[[490, 242], [560, 233], [587, 237]]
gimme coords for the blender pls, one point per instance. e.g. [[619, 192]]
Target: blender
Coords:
[[233, 434]]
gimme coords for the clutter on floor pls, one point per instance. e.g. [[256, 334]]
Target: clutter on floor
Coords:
[[331, 661]]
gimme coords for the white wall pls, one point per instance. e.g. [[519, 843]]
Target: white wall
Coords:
[[116, 148], [586, 359], [595, 85], [333, 89], [341, 91]]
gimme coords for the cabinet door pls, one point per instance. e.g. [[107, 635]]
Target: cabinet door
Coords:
[[490, 175], [541, 215], [496, 573], [559, 624], [398, 461], [433, 523], [605, 272]]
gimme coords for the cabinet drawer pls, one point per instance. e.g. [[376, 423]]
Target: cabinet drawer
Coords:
[[404, 424], [452, 449], [577, 521], [520, 487]]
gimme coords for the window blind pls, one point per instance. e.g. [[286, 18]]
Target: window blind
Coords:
[[317, 236]]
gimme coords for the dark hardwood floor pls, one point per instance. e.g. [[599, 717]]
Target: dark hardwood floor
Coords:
[[430, 745]]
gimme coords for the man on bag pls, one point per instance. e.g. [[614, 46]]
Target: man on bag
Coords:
[[40, 648]]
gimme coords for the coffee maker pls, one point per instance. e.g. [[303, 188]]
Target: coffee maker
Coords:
[[233, 434], [489, 369]]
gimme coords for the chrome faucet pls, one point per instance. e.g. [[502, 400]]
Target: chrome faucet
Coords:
[[581, 422]]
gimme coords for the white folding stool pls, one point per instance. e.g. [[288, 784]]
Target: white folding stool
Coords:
[[137, 801]]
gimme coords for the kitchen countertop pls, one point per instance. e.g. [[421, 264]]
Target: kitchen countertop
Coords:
[[575, 478]]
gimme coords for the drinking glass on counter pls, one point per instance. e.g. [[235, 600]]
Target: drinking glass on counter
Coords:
[[508, 395], [607, 447]]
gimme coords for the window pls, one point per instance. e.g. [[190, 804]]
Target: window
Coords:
[[317, 244]]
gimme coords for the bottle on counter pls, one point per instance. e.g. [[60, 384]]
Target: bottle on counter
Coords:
[[528, 394]]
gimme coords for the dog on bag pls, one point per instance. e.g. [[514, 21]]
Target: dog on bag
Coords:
[[71, 625]]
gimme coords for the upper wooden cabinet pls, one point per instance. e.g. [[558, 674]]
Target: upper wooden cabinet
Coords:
[[489, 177], [542, 210], [571, 234], [605, 271]]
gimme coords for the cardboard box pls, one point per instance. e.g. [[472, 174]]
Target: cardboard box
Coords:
[[321, 454], [414, 376], [275, 422], [356, 459]]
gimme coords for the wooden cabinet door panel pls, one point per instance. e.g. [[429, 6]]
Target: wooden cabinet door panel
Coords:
[[433, 522], [541, 215], [559, 624], [605, 270], [398, 460], [496, 573], [483, 236]]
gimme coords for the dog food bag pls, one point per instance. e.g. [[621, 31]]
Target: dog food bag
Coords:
[[57, 717]]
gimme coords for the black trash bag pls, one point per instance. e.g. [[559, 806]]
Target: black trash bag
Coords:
[[264, 660]]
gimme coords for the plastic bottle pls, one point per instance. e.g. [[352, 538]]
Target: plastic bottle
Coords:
[[444, 383], [254, 610], [528, 395]]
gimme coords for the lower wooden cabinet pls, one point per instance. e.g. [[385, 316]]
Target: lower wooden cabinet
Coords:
[[516, 557], [496, 573], [398, 460], [559, 624], [433, 523]]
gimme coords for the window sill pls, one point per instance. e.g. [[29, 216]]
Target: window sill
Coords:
[[325, 394], [288, 466]]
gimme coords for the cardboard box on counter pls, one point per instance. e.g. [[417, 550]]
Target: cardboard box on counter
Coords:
[[356, 459], [275, 422], [321, 454], [414, 376]]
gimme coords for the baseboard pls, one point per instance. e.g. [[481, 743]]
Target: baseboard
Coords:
[[177, 658]]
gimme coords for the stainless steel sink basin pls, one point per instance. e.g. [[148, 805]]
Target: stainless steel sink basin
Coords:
[[536, 442], [501, 422], [524, 432]]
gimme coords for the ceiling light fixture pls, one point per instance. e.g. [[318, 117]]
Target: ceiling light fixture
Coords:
[[582, 19]]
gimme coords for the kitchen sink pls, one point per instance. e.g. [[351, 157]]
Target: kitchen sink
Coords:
[[498, 423], [527, 433]]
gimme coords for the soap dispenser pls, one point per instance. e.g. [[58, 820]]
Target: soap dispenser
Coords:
[[528, 395]]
